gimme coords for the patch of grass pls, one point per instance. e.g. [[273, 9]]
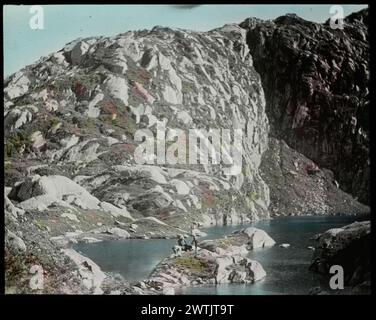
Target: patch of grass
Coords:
[[60, 85], [15, 141], [187, 87], [225, 243], [53, 121], [88, 125], [89, 80], [138, 74], [253, 196], [8, 165], [191, 264], [41, 225]]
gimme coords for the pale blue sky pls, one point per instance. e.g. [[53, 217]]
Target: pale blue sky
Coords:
[[64, 23]]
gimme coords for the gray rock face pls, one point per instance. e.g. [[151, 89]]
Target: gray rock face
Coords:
[[316, 82], [348, 247], [100, 91]]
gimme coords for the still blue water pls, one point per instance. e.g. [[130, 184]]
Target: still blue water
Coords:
[[287, 269]]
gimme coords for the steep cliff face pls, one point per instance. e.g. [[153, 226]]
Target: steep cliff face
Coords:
[[71, 122], [316, 86]]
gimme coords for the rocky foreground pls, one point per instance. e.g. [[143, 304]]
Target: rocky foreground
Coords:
[[349, 247], [215, 262], [70, 139]]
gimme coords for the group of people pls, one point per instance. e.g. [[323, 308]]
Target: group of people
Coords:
[[184, 246]]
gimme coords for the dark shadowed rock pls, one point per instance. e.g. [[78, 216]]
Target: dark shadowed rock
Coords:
[[348, 247], [316, 83]]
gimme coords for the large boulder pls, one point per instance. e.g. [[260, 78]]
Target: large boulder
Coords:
[[348, 247], [223, 269], [37, 279], [15, 242], [238, 270], [118, 232], [91, 274], [257, 238], [39, 192]]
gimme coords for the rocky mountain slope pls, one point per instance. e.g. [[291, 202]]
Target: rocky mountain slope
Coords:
[[70, 122], [295, 189], [72, 131], [316, 82]]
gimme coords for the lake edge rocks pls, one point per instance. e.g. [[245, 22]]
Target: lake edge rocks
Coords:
[[349, 248], [216, 261]]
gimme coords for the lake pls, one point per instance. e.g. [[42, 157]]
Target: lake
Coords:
[[286, 268]]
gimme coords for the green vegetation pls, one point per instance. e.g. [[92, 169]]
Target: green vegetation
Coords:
[[41, 225], [126, 122], [253, 196], [15, 141], [53, 121], [138, 74], [16, 271], [88, 125], [89, 81], [187, 87], [59, 85], [191, 264], [8, 165], [225, 243]]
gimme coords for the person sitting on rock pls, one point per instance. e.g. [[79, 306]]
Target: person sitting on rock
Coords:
[[181, 240], [183, 244]]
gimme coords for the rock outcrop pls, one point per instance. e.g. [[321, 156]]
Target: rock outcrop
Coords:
[[215, 262], [348, 247], [76, 125], [316, 82]]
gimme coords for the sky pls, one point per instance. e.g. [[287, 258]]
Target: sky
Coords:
[[64, 23]]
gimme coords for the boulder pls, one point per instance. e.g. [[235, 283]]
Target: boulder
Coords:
[[36, 282], [255, 270], [15, 242], [91, 275], [258, 238], [349, 247], [199, 233], [39, 192], [222, 270], [121, 233]]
